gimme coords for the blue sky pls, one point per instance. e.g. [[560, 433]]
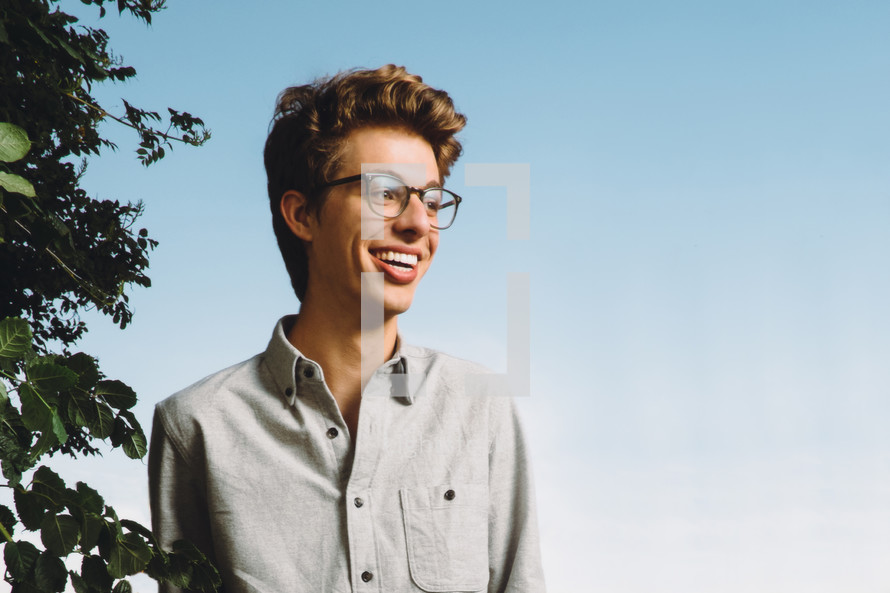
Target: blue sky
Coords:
[[708, 260]]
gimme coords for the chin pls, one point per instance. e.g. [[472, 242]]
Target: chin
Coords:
[[393, 305], [390, 309]]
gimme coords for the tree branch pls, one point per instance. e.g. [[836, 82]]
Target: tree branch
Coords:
[[129, 124]]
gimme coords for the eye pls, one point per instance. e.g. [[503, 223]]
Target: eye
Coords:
[[432, 199], [382, 190], [380, 194]]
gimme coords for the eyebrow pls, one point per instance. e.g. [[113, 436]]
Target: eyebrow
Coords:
[[432, 183]]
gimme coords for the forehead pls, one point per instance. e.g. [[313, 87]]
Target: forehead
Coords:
[[392, 150]]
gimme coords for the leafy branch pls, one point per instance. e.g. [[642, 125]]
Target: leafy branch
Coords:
[[59, 396], [91, 288], [63, 251], [151, 147]]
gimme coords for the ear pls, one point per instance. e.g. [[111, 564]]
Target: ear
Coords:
[[295, 210]]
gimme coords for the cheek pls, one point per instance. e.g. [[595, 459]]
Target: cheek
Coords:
[[434, 242]]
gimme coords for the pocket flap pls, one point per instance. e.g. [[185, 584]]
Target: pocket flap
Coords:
[[446, 528]]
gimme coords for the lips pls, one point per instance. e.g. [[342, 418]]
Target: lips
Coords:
[[398, 266], [397, 258]]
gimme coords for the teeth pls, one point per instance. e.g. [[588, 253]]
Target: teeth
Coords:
[[396, 256]]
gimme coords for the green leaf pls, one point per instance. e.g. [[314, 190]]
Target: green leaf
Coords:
[[92, 528], [70, 50], [50, 573], [59, 533], [188, 550], [21, 207], [89, 499], [115, 523], [131, 419], [86, 367], [118, 394], [138, 528], [135, 445], [58, 428], [20, 558], [15, 338], [7, 365], [30, 508], [172, 568], [50, 486], [48, 377], [17, 184], [101, 422], [78, 409], [129, 555], [13, 454], [35, 412], [204, 577], [131, 439], [7, 519], [14, 143], [95, 572], [202, 574], [122, 587], [4, 396], [79, 583], [47, 441]]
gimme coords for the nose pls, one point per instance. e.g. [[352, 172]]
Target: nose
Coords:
[[414, 219]]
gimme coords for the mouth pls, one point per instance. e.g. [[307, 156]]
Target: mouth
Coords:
[[398, 266], [396, 258]]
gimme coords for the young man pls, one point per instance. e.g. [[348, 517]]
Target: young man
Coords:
[[341, 459]]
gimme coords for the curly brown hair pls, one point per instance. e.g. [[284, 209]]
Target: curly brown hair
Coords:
[[312, 121]]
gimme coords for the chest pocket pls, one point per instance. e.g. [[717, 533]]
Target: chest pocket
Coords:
[[446, 528]]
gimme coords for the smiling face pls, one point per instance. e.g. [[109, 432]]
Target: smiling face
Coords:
[[338, 250]]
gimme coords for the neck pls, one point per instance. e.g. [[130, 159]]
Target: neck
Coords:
[[348, 347]]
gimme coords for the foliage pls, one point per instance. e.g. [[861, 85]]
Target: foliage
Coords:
[[57, 395], [48, 68], [61, 252]]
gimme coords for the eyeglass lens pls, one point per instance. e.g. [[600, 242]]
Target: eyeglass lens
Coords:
[[388, 196]]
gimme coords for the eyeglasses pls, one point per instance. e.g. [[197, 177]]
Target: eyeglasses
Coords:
[[388, 196]]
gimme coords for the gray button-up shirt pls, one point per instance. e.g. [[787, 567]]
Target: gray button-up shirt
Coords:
[[255, 465]]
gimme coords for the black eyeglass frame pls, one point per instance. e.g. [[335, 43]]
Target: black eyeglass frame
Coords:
[[411, 190]]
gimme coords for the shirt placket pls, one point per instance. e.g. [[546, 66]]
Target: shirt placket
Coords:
[[332, 439], [365, 566]]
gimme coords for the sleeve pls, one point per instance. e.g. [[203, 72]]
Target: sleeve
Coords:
[[177, 496], [514, 546]]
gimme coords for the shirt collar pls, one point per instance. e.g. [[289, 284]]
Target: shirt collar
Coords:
[[289, 367]]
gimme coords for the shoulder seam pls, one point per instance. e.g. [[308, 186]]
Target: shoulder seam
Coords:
[[174, 440]]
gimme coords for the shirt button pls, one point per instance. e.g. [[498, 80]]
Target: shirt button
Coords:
[[449, 495], [332, 433], [289, 391], [358, 502], [308, 372], [367, 576]]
